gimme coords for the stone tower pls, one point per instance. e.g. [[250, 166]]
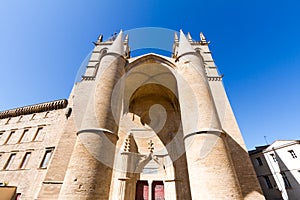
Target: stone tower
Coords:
[[149, 127], [156, 127]]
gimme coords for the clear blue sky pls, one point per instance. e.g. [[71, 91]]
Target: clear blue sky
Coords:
[[256, 44]]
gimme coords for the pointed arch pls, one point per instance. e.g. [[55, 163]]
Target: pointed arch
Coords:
[[150, 58]]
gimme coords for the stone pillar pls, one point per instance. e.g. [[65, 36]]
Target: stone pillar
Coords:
[[150, 189], [211, 173], [90, 170], [122, 187]]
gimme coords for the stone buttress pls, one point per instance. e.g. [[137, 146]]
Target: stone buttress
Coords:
[[90, 169], [207, 158]]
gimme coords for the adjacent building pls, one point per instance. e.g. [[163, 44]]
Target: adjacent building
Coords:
[[278, 169], [145, 127]]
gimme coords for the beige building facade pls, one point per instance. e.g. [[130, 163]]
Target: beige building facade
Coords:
[[144, 127]]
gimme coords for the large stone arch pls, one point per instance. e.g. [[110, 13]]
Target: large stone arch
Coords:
[[151, 113]]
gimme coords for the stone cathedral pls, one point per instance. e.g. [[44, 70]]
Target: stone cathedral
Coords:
[[149, 127]]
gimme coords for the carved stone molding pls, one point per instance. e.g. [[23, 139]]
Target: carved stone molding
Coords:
[[215, 78], [88, 78], [37, 108]]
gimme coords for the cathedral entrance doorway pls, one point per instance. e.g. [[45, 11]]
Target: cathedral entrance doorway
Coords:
[[142, 190], [158, 192], [154, 192]]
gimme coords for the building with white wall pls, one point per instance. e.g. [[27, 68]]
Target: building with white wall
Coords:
[[278, 169]]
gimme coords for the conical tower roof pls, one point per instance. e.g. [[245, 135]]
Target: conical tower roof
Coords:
[[118, 45], [184, 45]]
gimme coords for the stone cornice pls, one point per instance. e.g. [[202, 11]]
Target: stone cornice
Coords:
[[37, 108], [88, 78], [215, 78]]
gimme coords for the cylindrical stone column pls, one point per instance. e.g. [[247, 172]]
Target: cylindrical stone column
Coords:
[[90, 170], [211, 173]]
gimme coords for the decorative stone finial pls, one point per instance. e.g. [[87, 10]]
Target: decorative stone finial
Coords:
[[175, 37], [126, 38], [202, 37], [189, 37], [100, 38]]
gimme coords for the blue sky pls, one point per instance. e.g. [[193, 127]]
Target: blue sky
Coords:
[[255, 44]]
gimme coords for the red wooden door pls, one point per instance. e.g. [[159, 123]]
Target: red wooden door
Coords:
[[158, 190], [142, 190]]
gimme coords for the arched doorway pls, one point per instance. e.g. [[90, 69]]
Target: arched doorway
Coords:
[[151, 114]]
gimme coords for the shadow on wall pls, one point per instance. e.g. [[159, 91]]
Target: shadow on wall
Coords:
[[245, 173], [264, 174], [288, 178]]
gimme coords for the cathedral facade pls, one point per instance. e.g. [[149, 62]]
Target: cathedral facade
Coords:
[[144, 127]]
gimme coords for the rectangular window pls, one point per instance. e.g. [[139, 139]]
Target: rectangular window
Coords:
[[32, 117], [9, 138], [20, 118], [25, 160], [39, 135], [259, 161], [24, 136], [46, 114], [46, 158], [293, 154], [9, 161], [274, 157], [285, 180], [268, 182]]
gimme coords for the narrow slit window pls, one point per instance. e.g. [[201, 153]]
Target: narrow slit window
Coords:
[[20, 118], [8, 120], [46, 114], [33, 116]]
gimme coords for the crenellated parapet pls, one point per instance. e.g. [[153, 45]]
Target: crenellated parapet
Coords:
[[37, 108]]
